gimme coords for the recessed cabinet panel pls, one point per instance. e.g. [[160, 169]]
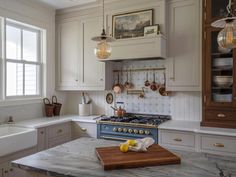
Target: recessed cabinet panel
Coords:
[[68, 53], [183, 63], [93, 70]]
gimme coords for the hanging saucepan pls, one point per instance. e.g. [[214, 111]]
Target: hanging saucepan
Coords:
[[162, 89], [118, 88], [127, 84], [154, 85]]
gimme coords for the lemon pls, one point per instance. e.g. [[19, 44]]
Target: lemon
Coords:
[[124, 147], [131, 142]]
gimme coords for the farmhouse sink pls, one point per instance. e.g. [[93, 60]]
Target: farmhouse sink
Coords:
[[15, 138]]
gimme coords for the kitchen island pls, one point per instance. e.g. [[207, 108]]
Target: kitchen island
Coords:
[[78, 159]]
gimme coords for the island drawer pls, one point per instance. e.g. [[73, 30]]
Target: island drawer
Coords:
[[218, 144], [177, 138], [59, 130]]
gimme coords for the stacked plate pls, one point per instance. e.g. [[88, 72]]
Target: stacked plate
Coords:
[[222, 97], [223, 63], [223, 81]]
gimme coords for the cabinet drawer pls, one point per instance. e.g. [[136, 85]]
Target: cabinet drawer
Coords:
[[178, 138], [59, 130], [218, 144], [220, 115], [58, 140]]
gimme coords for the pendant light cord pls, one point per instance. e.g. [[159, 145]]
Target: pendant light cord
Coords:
[[103, 14]]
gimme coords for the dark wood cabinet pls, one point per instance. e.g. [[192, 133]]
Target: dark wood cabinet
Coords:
[[219, 71]]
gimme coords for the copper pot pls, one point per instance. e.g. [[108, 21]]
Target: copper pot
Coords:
[[119, 112]]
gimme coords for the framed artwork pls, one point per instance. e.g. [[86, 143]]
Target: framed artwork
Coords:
[[131, 25], [151, 30]]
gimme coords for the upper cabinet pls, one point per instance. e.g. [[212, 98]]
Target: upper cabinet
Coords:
[[184, 45], [78, 67], [219, 66]]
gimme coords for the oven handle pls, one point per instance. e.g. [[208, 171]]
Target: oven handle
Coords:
[[113, 138]]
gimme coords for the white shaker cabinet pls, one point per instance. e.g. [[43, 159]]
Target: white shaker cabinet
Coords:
[[184, 45], [78, 67], [68, 41]]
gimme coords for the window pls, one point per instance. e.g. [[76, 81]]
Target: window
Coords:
[[23, 62]]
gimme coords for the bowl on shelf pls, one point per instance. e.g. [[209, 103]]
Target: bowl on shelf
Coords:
[[223, 50], [217, 97], [223, 81], [223, 63]]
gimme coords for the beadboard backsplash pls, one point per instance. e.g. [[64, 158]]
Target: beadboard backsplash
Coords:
[[180, 105]]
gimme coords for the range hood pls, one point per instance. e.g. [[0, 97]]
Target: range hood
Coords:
[[138, 48]]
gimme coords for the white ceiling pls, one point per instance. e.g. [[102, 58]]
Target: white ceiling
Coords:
[[60, 4]]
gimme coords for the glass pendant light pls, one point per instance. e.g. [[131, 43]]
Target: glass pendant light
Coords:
[[103, 49], [227, 36]]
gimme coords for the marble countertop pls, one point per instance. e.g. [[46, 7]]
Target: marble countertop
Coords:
[[47, 121], [192, 126], [78, 159]]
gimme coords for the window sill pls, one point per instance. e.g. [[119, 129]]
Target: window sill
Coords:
[[17, 102]]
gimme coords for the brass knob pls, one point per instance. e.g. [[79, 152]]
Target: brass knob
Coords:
[[120, 129], [76, 80], [11, 169], [221, 115], [219, 145], [130, 131], [178, 139], [60, 131], [141, 132], [114, 129], [125, 130], [147, 132], [135, 131], [41, 132], [6, 171]]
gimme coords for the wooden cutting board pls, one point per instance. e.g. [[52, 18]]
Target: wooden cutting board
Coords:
[[113, 159]]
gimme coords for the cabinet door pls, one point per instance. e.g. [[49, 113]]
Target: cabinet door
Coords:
[[184, 47], [93, 70], [68, 55], [84, 129], [41, 139]]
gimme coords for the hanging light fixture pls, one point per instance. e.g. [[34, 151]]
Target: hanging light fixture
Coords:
[[227, 36], [103, 49]]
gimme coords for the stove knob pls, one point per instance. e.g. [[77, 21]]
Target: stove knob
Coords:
[[120, 129], [135, 131], [114, 129], [125, 130], [141, 132], [147, 132], [130, 131]]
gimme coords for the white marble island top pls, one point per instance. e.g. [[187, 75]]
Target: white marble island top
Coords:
[[78, 159]]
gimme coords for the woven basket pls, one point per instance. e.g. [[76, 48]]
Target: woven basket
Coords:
[[57, 106], [49, 108]]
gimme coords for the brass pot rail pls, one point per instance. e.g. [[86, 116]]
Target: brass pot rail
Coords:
[[140, 70]]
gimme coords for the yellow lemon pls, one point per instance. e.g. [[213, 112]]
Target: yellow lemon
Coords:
[[124, 147], [131, 142]]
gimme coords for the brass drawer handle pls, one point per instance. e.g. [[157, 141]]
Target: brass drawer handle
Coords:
[[178, 139], [60, 131], [221, 115], [84, 129], [219, 145]]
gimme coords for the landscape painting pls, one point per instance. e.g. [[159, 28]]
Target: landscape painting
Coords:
[[131, 25]]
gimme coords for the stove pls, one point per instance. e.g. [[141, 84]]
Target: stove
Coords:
[[132, 126]]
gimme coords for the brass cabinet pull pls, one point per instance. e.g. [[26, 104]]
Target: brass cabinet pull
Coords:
[[84, 129], [178, 139], [172, 78], [219, 145], [11, 169], [42, 132], [60, 131], [6, 171], [221, 115]]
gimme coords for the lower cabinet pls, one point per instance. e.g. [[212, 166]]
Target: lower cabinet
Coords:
[[84, 129], [54, 135]]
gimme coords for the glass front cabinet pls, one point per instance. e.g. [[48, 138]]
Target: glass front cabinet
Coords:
[[219, 71]]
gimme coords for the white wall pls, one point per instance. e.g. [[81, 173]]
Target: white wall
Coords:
[[31, 12]]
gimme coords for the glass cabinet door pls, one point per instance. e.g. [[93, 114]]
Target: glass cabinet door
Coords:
[[221, 72]]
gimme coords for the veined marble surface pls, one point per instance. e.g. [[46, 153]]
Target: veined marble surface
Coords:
[[78, 159]]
